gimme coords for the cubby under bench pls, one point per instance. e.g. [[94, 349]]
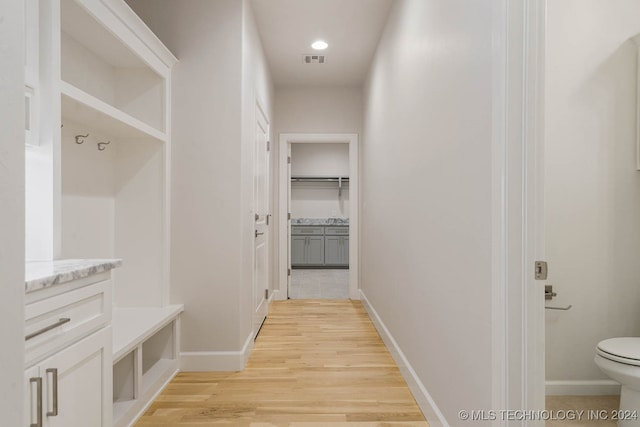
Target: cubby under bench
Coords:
[[145, 357]]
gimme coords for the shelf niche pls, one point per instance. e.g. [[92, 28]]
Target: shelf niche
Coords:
[[95, 61]]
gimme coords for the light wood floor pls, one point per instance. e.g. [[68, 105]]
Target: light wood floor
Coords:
[[316, 363]]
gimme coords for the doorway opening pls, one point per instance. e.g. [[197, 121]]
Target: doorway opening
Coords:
[[318, 235]]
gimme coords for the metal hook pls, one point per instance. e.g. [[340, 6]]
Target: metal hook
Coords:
[[101, 145], [80, 138]]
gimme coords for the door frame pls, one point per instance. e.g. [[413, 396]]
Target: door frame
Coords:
[[284, 187], [518, 206]]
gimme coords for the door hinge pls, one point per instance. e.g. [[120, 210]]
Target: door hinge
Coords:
[[289, 215], [289, 159], [268, 145], [541, 270], [266, 294], [289, 272]]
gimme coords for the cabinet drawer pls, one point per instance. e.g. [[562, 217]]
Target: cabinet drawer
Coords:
[[301, 230], [336, 231], [56, 322]]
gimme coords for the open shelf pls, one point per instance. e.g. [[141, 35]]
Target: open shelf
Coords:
[[98, 61], [81, 107], [158, 373]]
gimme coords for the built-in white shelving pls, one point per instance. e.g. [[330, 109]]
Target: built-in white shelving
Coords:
[[99, 85], [105, 103]]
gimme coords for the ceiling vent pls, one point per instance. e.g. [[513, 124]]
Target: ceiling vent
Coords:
[[314, 59]]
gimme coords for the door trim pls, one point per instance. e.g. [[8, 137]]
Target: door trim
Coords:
[[284, 230], [518, 215]]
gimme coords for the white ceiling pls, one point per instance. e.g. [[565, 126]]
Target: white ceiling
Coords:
[[351, 27]]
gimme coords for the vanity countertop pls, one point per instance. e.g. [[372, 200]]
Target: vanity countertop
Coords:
[[43, 274], [320, 221]]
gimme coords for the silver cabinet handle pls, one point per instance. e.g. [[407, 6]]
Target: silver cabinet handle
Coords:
[[60, 322], [54, 385], [38, 382]]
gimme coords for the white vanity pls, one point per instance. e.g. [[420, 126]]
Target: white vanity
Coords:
[[68, 351]]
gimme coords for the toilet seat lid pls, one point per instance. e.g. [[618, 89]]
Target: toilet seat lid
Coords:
[[624, 349]]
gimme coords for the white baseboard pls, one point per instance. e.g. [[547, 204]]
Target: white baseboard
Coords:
[[582, 388], [210, 361], [429, 409]]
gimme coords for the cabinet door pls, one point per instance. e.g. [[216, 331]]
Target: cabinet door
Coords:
[[332, 250], [298, 247], [344, 253], [77, 384], [315, 250]]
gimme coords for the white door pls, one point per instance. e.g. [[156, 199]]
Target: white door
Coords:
[[289, 220], [262, 218], [289, 248]]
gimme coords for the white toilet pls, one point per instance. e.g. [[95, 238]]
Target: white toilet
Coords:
[[619, 358]]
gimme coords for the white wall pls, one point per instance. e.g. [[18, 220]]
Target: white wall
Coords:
[[12, 237], [219, 72], [317, 199], [592, 189], [308, 159], [427, 154], [318, 109], [39, 202]]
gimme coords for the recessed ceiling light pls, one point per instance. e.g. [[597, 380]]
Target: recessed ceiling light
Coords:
[[320, 45]]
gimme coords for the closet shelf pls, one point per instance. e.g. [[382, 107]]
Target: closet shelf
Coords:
[[80, 107], [344, 179], [340, 180]]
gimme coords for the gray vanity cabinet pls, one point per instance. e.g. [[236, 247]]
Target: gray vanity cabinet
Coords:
[[298, 249], [336, 251], [336, 246], [315, 251], [313, 246], [307, 246]]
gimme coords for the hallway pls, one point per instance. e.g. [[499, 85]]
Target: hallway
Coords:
[[315, 363]]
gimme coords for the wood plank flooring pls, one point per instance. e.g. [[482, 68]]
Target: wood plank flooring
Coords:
[[316, 363]]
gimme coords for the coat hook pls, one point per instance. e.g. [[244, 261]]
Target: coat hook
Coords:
[[80, 138], [101, 145]]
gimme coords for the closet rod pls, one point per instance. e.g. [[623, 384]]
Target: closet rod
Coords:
[[319, 179]]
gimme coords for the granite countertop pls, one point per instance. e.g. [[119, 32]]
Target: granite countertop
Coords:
[[320, 221], [43, 274]]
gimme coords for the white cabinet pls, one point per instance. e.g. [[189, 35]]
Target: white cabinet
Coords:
[[69, 355], [72, 388]]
